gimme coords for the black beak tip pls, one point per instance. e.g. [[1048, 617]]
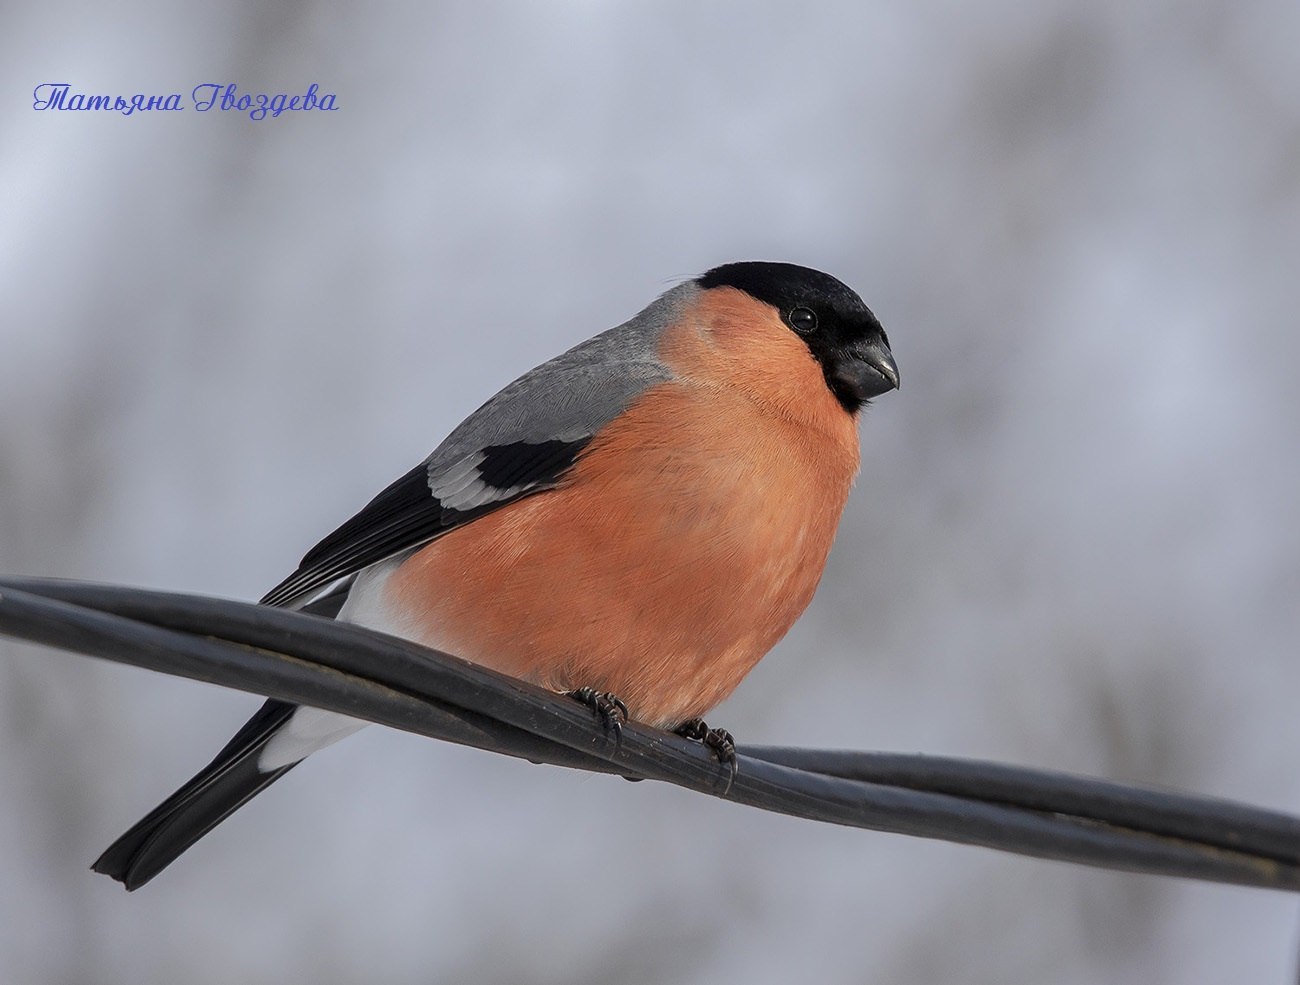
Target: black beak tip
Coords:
[[874, 372], [887, 368]]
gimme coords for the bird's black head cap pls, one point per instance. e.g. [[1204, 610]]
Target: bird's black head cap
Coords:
[[840, 331]]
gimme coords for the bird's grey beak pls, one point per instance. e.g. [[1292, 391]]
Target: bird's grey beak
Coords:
[[870, 370]]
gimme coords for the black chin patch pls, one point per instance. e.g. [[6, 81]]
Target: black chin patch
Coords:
[[848, 395]]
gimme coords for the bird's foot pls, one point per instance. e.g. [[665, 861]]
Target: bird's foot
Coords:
[[608, 708], [717, 740]]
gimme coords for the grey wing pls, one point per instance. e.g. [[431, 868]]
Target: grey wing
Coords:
[[520, 442]]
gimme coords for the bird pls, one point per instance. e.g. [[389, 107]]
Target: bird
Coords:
[[636, 522]]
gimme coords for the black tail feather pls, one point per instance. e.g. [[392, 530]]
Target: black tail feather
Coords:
[[205, 801]]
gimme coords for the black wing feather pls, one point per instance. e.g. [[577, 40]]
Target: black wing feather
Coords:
[[523, 462], [407, 514]]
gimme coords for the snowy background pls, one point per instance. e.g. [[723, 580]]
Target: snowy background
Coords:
[[1075, 542]]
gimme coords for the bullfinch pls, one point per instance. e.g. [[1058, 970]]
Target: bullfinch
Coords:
[[638, 520]]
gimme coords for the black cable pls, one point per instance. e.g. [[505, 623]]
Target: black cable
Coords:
[[344, 668]]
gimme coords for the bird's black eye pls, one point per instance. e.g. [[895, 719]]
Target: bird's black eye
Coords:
[[802, 320]]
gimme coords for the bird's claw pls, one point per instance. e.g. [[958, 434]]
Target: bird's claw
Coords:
[[608, 708], [718, 741]]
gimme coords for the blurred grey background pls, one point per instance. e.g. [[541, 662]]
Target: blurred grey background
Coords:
[[1075, 542]]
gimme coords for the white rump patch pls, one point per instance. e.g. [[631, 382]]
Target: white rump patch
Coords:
[[308, 730], [311, 729]]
